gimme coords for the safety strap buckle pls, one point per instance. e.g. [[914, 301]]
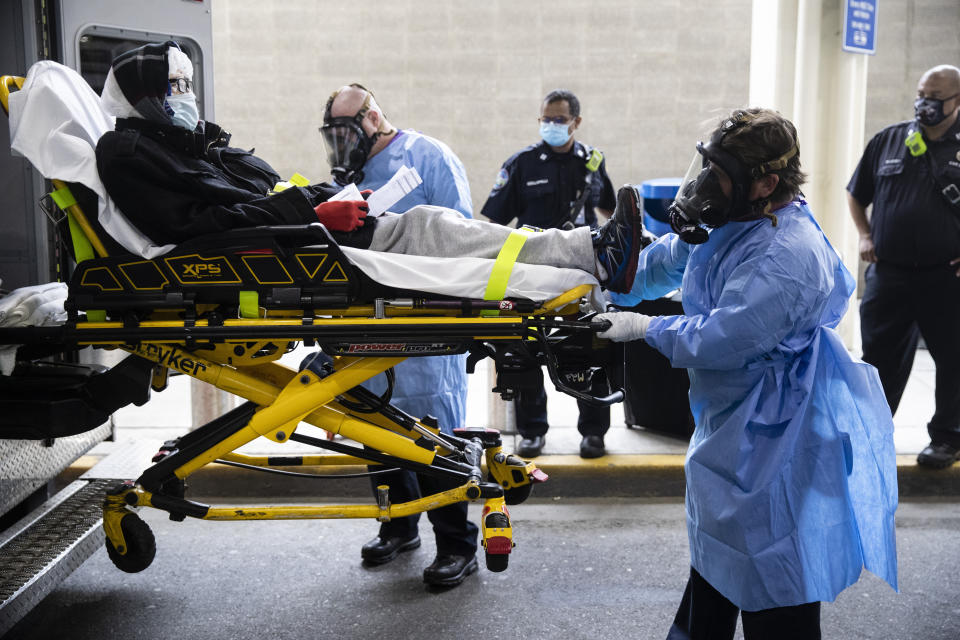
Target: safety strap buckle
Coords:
[[952, 194]]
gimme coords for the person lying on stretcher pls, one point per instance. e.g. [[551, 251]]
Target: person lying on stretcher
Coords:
[[175, 178]]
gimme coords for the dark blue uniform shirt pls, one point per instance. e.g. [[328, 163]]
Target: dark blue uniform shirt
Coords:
[[540, 187], [912, 224]]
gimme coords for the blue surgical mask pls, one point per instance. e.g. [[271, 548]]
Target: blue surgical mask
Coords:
[[184, 107], [555, 135]]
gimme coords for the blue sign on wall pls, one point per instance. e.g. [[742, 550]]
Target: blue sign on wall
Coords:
[[860, 26]]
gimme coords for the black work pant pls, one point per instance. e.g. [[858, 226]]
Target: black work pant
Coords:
[[594, 420], [455, 534], [531, 407], [899, 305], [704, 614]]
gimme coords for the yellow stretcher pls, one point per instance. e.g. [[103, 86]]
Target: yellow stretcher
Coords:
[[223, 310]]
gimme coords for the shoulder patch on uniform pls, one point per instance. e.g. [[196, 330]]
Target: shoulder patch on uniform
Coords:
[[502, 178]]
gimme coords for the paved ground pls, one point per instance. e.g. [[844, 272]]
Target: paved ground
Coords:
[[582, 569]]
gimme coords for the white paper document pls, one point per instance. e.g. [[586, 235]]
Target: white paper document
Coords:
[[405, 180]]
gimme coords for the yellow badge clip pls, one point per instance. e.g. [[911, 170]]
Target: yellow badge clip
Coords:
[[593, 162], [915, 143]]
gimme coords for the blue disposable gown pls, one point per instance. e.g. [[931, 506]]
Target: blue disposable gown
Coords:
[[791, 472], [432, 385]]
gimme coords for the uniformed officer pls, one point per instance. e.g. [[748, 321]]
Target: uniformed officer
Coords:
[[558, 182], [910, 172]]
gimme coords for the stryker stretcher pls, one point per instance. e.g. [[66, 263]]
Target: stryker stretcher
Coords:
[[224, 309]]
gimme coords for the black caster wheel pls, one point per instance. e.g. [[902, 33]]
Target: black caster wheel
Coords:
[[497, 562], [517, 495], [141, 545]]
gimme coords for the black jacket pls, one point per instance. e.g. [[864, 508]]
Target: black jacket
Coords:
[[174, 184], [539, 187]]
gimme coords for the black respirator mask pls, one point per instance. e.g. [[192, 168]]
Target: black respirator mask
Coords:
[[348, 145], [701, 203]]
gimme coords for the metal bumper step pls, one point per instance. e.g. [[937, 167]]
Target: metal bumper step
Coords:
[[42, 549]]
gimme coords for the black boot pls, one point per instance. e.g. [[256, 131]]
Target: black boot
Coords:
[[449, 570], [383, 549]]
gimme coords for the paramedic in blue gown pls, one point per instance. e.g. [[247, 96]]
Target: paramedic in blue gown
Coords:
[[791, 473], [364, 148]]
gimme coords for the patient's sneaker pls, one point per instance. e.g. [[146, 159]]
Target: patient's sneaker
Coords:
[[618, 243]]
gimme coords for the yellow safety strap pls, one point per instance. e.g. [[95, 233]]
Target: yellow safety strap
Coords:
[[503, 267], [63, 197], [82, 249], [249, 304], [296, 180]]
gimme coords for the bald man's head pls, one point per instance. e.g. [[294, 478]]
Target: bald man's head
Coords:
[[353, 131], [947, 74], [938, 98], [348, 100]]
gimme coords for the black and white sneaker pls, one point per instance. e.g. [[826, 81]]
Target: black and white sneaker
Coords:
[[618, 242]]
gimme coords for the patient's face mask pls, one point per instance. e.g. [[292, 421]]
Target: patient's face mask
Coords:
[[930, 111], [185, 113]]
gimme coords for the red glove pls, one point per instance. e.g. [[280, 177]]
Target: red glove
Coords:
[[366, 193], [342, 215]]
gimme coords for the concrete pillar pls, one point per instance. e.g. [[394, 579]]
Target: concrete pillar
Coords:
[[827, 104], [208, 402], [499, 413], [773, 54]]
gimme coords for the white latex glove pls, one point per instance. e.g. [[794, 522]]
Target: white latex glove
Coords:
[[625, 326]]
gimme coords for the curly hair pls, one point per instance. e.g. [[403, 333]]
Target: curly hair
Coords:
[[759, 137]]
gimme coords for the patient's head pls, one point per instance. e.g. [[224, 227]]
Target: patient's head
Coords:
[[153, 82]]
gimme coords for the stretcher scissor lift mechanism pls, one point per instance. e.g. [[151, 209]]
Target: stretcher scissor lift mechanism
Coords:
[[223, 309]]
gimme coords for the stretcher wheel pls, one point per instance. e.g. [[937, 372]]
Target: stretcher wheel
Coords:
[[497, 562], [141, 545], [517, 494]]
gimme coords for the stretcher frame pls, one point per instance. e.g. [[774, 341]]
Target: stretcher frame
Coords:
[[190, 335]]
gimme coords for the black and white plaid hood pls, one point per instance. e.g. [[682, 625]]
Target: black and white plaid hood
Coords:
[[136, 85]]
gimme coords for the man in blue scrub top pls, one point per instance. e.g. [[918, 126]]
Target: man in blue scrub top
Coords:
[[364, 148], [791, 472]]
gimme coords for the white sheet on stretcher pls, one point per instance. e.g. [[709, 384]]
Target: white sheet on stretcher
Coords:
[[56, 120]]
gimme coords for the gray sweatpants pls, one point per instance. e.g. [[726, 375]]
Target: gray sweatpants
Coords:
[[443, 233]]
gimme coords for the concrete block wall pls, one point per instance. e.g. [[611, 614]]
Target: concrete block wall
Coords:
[[913, 36], [652, 77]]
